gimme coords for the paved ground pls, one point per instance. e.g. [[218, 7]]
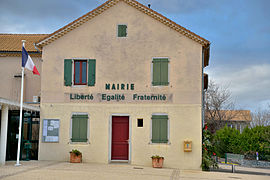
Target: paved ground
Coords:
[[49, 170]]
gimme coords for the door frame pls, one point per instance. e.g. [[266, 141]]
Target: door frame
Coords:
[[110, 139]]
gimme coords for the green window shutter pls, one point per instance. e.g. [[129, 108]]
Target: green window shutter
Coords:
[[164, 72], [155, 130], [83, 129], [160, 72], [75, 130], [68, 72], [164, 129], [91, 72], [159, 129], [122, 30], [79, 128], [156, 72]]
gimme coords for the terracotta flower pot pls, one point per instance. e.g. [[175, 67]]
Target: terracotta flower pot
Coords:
[[75, 159], [157, 162]]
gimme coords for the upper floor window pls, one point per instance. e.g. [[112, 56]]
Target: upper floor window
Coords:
[[122, 30], [79, 72], [160, 76]]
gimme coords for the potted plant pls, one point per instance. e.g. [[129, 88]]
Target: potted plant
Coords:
[[75, 156], [157, 161]]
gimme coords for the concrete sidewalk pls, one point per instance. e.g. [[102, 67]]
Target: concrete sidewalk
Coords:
[[49, 170]]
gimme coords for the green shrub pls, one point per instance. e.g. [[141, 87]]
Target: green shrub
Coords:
[[227, 140], [257, 139]]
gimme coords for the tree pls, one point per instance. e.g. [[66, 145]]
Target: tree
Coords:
[[219, 106], [261, 117], [226, 140]]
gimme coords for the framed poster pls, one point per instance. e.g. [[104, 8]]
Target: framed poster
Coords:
[[50, 132]]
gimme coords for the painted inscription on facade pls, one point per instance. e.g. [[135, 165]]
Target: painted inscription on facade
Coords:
[[118, 97], [121, 86]]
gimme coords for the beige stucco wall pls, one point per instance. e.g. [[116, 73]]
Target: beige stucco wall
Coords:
[[10, 86], [184, 122], [125, 60]]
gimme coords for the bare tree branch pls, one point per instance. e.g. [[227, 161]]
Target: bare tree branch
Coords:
[[218, 106], [261, 117]]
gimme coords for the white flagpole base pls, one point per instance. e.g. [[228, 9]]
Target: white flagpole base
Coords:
[[17, 165]]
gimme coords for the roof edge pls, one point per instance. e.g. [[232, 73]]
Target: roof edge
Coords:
[[88, 16], [20, 34]]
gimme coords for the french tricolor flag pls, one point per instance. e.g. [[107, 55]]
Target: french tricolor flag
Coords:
[[27, 62]]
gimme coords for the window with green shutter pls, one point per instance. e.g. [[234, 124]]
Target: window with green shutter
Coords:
[[79, 128], [160, 72], [122, 30], [68, 72], [77, 72], [91, 72], [159, 128]]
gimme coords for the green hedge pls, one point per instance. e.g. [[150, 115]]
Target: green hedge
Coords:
[[257, 139]]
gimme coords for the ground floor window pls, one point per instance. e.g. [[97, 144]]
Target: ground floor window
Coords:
[[159, 128], [79, 128]]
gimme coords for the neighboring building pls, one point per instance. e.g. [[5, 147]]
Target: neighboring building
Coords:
[[10, 86], [123, 83], [238, 119]]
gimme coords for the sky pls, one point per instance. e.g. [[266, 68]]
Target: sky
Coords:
[[239, 32]]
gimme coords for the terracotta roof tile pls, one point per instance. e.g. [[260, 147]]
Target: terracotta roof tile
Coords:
[[13, 42], [235, 115], [241, 115]]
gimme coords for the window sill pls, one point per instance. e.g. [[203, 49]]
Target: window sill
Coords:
[[167, 143], [167, 85], [79, 143], [76, 86]]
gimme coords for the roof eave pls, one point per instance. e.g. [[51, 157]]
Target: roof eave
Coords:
[[206, 54], [57, 34]]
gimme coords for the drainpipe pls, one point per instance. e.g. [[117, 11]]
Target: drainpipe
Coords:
[[37, 48], [38, 51]]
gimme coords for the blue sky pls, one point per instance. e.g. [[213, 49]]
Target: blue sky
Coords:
[[239, 32]]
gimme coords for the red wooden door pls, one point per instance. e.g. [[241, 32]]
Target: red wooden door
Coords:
[[120, 137]]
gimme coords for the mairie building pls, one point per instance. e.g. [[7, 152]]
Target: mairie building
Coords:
[[123, 83]]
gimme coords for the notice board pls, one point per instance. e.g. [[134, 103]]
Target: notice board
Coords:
[[50, 131]]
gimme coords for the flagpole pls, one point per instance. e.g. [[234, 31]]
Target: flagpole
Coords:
[[20, 123]]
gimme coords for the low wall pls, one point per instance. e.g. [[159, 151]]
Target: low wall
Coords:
[[255, 163], [239, 159]]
